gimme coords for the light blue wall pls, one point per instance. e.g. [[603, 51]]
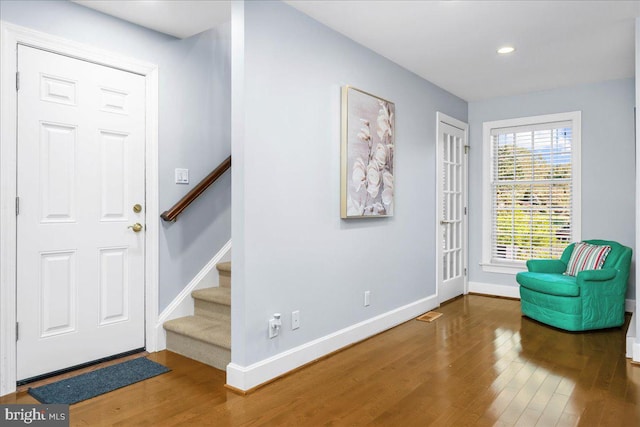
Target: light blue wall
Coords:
[[194, 121], [608, 161], [296, 252]]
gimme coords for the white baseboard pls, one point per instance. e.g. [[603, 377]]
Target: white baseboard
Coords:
[[495, 290], [247, 377], [182, 305]]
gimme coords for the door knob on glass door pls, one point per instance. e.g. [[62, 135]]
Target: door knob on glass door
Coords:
[[136, 227]]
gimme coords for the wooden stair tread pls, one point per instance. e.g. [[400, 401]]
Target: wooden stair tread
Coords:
[[224, 267], [210, 331], [217, 295]]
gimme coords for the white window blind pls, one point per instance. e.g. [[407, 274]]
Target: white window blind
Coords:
[[531, 186]]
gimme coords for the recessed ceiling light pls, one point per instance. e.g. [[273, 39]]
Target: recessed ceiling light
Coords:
[[506, 49]]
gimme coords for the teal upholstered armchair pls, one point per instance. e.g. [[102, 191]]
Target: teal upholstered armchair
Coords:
[[592, 299]]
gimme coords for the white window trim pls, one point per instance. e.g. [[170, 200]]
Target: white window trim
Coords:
[[576, 225]]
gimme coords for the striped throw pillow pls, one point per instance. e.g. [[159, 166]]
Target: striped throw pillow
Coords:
[[586, 257]]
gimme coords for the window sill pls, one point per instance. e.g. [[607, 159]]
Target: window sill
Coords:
[[512, 269]]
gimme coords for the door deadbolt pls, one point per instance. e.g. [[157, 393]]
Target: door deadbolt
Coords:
[[137, 208]]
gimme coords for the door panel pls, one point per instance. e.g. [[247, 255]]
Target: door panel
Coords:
[[58, 293], [80, 269], [113, 185], [57, 172], [451, 211], [114, 286]]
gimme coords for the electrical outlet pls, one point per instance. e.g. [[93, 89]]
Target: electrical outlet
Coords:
[[273, 329], [367, 298], [275, 323], [295, 319]]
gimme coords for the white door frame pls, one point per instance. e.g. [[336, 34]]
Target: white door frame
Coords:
[[443, 118], [12, 35]]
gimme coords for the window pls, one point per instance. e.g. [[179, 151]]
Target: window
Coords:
[[531, 189]]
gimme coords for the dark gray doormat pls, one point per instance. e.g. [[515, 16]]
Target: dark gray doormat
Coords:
[[92, 384]]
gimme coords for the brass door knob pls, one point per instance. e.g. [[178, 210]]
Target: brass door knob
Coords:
[[136, 227]]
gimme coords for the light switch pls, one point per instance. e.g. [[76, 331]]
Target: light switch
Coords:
[[182, 176]]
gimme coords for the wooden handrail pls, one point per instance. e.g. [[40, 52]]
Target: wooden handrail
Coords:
[[172, 214]]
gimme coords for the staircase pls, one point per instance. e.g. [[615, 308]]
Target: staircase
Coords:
[[206, 336]]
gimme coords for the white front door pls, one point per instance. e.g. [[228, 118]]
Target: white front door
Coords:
[[451, 213], [80, 171]]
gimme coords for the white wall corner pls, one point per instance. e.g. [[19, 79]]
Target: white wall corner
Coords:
[[632, 349], [495, 290], [630, 305], [182, 305], [631, 335], [636, 352], [635, 319], [246, 378]]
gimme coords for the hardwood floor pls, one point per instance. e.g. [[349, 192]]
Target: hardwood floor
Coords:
[[481, 363]]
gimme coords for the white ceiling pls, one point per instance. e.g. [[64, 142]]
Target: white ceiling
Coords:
[[178, 18], [451, 43]]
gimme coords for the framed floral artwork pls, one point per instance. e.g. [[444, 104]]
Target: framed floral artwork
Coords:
[[367, 157]]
